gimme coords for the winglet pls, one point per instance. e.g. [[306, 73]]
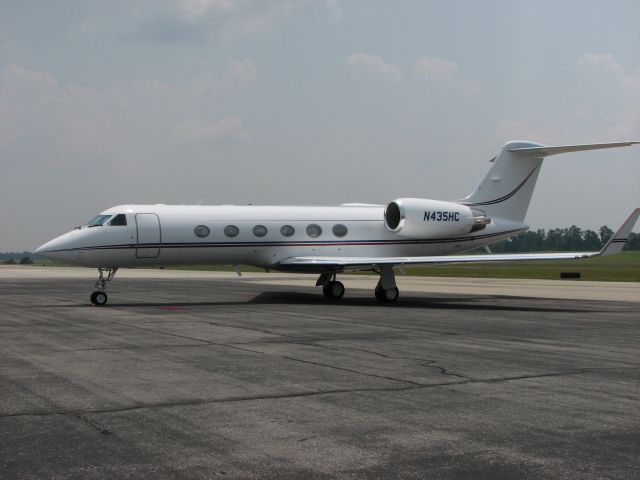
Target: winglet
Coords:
[[617, 241]]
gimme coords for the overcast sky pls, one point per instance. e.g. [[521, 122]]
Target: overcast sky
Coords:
[[309, 102]]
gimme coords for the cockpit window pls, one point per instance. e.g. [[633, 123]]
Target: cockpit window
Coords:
[[99, 220], [119, 220]]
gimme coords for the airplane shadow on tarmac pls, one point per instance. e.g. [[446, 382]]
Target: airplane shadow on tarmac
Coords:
[[479, 303]]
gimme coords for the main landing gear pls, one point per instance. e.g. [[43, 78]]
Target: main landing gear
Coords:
[[386, 290], [99, 297], [331, 288]]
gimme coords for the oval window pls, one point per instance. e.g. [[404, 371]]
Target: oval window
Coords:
[[287, 230], [314, 230], [201, 231], [339, 230], [259, 230], [231, 231]]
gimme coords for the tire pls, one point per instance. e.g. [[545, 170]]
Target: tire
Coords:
[[387, 296], [99, 298], [392, 294], [333, 289]]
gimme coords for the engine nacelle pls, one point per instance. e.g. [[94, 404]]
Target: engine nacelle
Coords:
[[423, 218]]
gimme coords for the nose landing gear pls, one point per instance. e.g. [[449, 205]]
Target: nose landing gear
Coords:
[[99, 297]]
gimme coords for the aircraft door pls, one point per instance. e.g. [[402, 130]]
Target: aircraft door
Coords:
[[149, 235]]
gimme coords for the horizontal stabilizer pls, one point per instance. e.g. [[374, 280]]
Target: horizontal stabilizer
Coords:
[[543, 151]]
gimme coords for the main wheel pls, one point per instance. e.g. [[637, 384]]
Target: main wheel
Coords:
[[99, 298], [387, 296], [333, 289]]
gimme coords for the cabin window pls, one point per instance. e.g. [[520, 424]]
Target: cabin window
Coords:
[[287, 231], [259, 230], [231, 231], [314, 230], [201, 231], [119, 220], [339, 230], [99, 220]]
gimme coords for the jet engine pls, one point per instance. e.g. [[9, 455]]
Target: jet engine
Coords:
[[424, 218]]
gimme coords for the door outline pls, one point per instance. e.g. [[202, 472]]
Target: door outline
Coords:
[[152, 251]]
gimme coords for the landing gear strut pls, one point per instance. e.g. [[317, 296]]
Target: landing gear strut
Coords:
[[386, 291], [331, 288], [99, 297]]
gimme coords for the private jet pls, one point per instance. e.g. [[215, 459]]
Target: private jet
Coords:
[[327, 240]]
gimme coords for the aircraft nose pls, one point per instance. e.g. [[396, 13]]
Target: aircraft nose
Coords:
[[51, 245], [42, 249], [56, 249]]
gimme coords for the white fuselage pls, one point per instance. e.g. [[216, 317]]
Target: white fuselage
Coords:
[[166, 235]]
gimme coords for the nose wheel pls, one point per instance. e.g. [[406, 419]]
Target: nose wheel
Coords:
[[99, 297]]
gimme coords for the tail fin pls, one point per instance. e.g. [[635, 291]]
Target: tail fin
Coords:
[[505, 190]]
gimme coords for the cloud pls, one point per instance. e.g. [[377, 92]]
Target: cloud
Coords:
[[228, 21], [437, 71], [609, 103], [242, 72], [257, 17], [193, 9], [51, 123], [374, 64], [226, 128], [37, 108], [435, 68], [442, 71], [238, 75], [169, 28], [604, 62], [602, 105], [335, 10]]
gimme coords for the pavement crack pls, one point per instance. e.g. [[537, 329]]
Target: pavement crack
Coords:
[[92, 423], [443, 370], [526, 377], [204, 342], [131, 347], [423, 362], [382, 377], [325, 365], [286, 395], [24, 325]]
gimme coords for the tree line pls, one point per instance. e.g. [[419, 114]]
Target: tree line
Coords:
[[15, 257], [562, 239]]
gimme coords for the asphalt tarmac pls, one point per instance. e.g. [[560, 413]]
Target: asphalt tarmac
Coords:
[[228, 378]]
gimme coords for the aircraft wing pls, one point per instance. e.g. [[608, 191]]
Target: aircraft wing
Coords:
[[614, 245]]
